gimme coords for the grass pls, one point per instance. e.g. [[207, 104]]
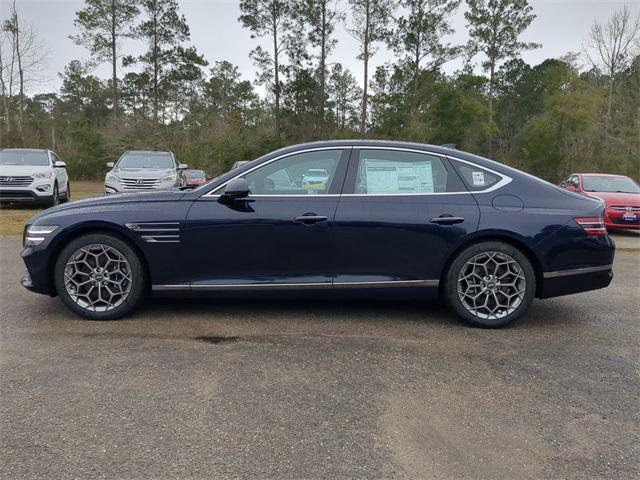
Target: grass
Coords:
[[13, 217]]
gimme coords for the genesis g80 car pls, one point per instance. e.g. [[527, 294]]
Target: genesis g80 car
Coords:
[[387, 219]]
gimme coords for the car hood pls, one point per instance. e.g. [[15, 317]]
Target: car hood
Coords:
[[119, 198], [614, 198], [20, 170], [149, 173]]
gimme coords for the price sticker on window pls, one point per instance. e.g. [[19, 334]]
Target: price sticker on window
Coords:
[[478, 179]]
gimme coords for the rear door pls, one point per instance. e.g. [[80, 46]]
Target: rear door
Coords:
[[281, 235], [401, 214]]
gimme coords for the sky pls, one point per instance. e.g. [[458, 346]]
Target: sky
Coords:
[[561, 26]]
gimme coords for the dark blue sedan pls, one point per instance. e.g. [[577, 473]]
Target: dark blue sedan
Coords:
[[369, 218]]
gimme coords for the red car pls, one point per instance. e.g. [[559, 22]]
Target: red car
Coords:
[[195, 178], [620, 194]]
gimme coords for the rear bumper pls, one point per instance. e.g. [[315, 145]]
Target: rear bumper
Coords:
[[567, 282]]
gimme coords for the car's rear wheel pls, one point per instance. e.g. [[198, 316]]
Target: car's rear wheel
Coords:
[[490, 284], [100, 277], [67, 194]]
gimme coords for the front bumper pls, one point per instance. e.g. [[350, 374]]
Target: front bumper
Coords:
[[113, 188], [23, 195]]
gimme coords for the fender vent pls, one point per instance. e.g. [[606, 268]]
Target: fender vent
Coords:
[[157, 232]]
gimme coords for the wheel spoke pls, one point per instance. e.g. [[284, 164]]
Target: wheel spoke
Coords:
[[491, 285], [97, 277]]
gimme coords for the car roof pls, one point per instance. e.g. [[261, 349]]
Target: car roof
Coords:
[[599, 175], [157, 152], [24, 150]]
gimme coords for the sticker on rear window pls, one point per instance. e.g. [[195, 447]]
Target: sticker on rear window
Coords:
[[478, 179]]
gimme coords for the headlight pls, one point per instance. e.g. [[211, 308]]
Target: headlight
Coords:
[[112, 176], [36, 234], [45, 174], [169, 178]]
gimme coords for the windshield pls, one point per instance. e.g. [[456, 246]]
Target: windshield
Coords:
[[24, 157], [195, 174], [609, 184], [158, 160]]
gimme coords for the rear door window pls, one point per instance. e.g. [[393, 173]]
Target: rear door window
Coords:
[[395, 172]]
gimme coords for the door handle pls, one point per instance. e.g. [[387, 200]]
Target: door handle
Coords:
[[310, 218], [447, 219]]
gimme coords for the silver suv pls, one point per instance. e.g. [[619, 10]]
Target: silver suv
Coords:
[[139, 171]]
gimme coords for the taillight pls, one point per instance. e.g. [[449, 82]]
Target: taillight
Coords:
[[592, 225]]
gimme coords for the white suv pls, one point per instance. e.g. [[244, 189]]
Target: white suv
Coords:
[[141, 171], [33, 175]]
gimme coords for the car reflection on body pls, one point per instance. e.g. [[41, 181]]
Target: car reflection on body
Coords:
[[390, 219]]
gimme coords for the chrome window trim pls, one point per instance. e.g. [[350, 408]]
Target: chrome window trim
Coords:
[[504, 179], [576, 271], [272, 286]]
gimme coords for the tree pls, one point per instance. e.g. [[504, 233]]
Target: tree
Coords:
[[344, 92], [610, 46], [419, 35], [102, 24], [27, 55], [369, 25], [269, 18], [321, 16], [164, 30], [494, 28]]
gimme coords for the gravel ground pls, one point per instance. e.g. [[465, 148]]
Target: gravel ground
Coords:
[[256, 389]]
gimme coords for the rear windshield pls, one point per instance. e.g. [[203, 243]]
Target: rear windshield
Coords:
[[195, 174], [609, 184], [146, 160], [20, 157]]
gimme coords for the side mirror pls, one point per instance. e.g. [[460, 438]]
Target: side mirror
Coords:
[[183, 166], [60, 164], [235, 189], [110, 164]]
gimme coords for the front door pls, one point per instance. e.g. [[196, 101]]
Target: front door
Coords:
[[280, 235], [400, 216]]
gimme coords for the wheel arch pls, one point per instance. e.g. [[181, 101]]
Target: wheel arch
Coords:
[[105, 228], [498, 236]]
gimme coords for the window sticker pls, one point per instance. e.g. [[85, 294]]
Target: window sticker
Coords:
[[478, 179], [382, 176]]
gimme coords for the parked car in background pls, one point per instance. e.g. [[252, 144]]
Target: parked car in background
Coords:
[[315, 179], [393, 219], [138, 171], [620, 194], [33, 175], [195, 178]]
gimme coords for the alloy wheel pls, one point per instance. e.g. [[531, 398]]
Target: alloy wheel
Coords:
[[98, 277], [491, 285]]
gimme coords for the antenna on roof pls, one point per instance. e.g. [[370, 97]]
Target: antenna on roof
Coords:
[[449, 145]]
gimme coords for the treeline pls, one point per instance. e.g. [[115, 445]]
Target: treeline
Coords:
[[576, 113]]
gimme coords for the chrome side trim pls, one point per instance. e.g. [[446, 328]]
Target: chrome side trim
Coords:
[[157, 232], [576, 271], [310, 285], [504, 179]]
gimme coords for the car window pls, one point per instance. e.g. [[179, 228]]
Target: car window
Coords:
[[592, 183], [153, 160], [476, 178], [309, 173], [24, 157], [392, 172]]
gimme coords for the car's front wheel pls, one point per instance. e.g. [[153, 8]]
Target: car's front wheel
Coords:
[[490, 284], [99, 277]]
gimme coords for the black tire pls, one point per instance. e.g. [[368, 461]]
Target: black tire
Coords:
[[55, 197], [479, 316], [67, 194], [138, 284]]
